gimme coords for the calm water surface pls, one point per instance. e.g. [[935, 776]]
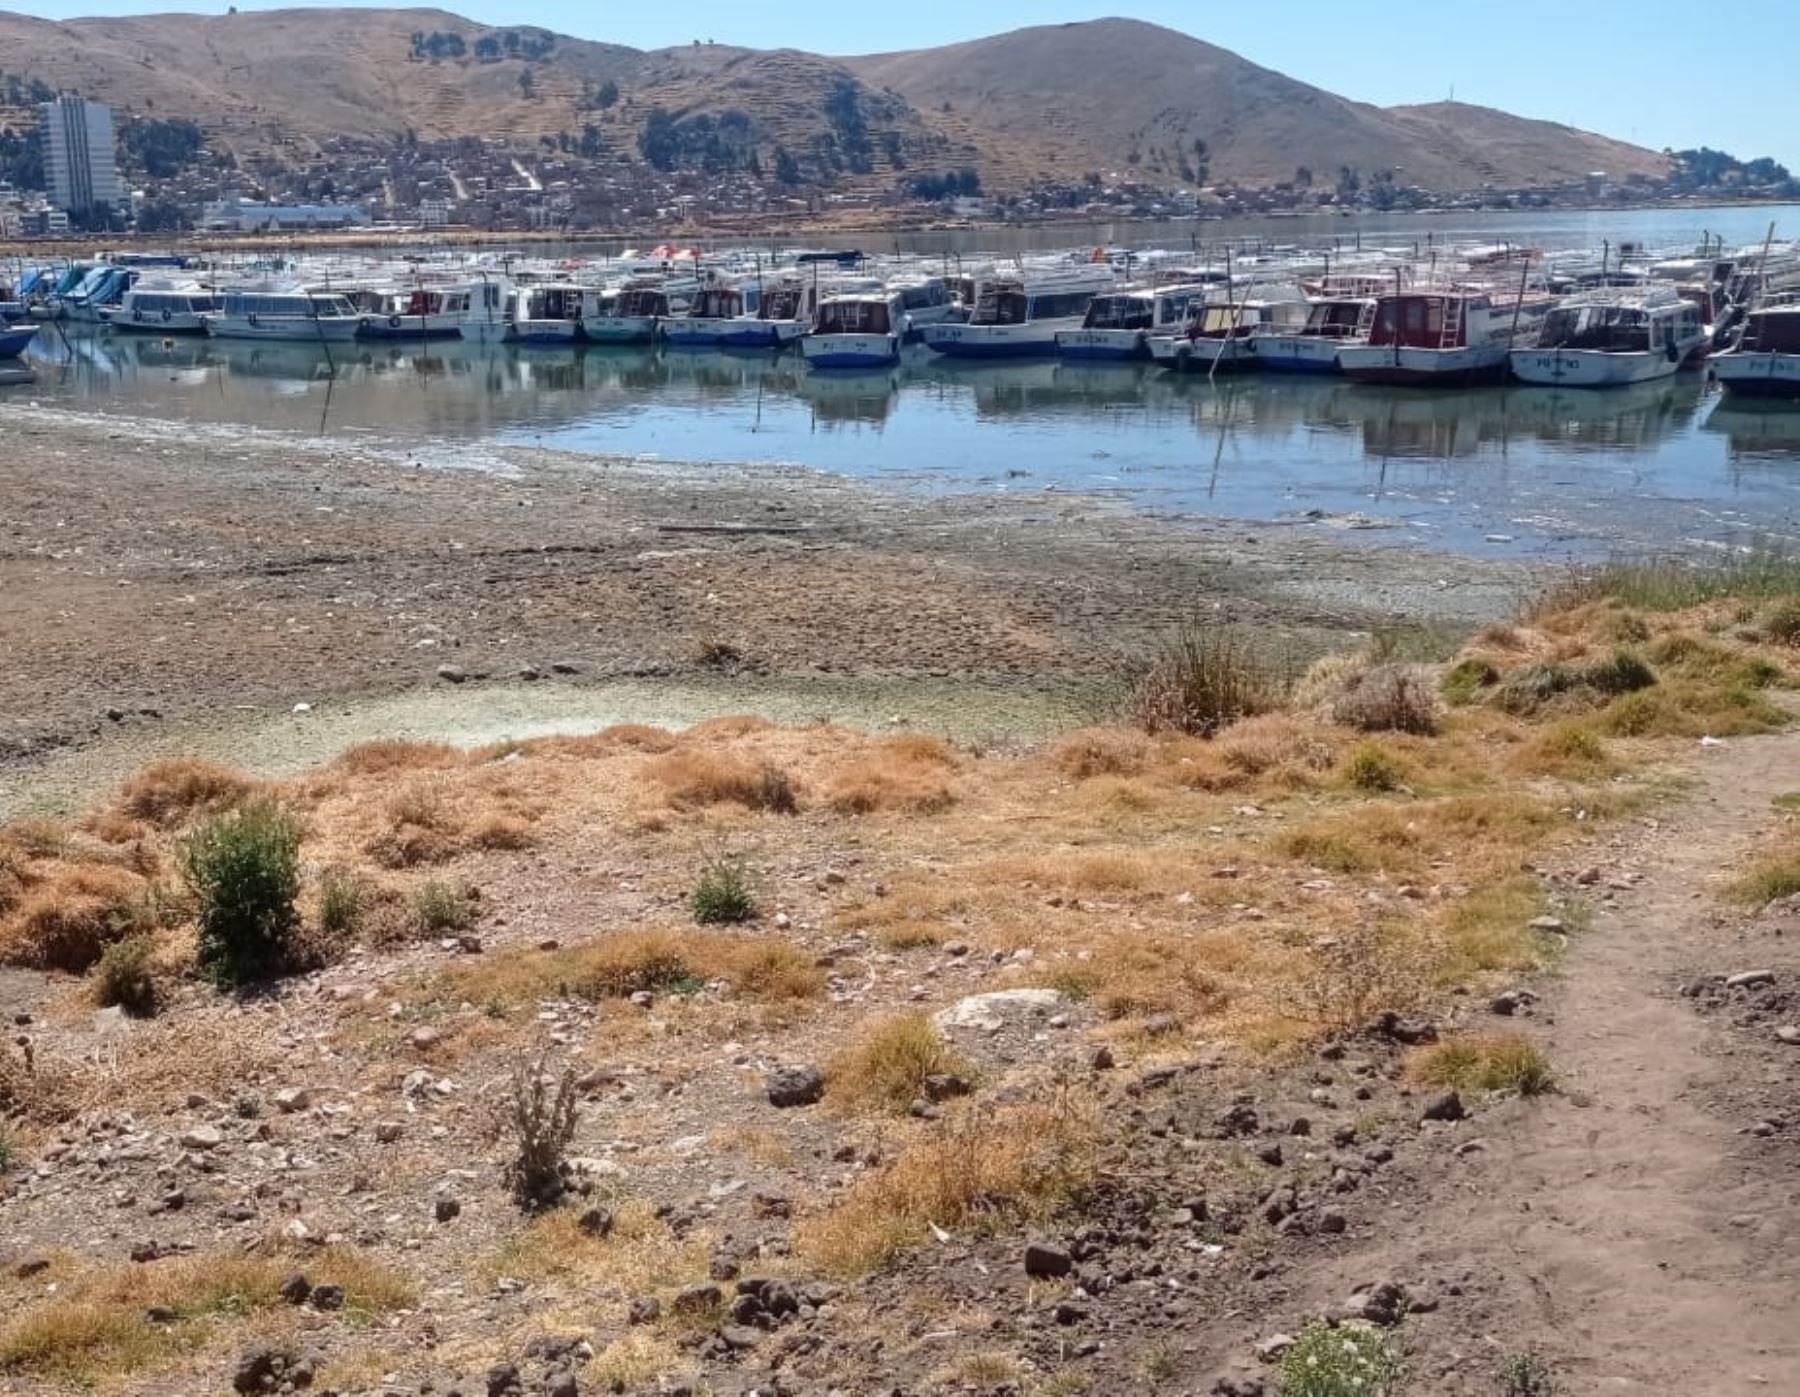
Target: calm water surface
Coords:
[[1525, 470]]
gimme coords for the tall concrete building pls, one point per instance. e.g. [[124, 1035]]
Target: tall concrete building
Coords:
[[79, 156]]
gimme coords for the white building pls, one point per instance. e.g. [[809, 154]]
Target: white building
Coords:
[[79, 155], [249, 216]]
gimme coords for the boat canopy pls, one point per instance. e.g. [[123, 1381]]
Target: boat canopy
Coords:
[[855, 315], [1775, 331], [1133, 310]]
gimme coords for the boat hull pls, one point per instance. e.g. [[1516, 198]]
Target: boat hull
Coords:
[[546, 332], [411, 327], [291, 329], [957, 341], [1588, 368], [1102, 344], [1295, 354], [621, 329], [13, 342], [1424, 368], [1179, 354], [1758, 375], [850, 351], [163, 323]]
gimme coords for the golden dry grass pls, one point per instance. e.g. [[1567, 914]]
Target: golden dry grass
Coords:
[[886, 1066], [94, 1325], [975, 1169], [656, 959], [639, 1256], [68, 915], [168, 793]]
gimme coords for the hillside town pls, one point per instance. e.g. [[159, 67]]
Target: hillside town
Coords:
[[69, 167]]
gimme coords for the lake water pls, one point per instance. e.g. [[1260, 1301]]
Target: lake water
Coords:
[[1544, 472], [1522, 470]]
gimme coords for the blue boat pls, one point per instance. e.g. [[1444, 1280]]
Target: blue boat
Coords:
[[13, 342]]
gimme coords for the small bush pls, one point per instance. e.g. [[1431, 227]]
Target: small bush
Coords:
[[243, 869], [775, 791], [1526, 690], [541, 1115], [723, 895], [1781, 622], [1488, 1062], [1389, 698], [1524, 1375], [1333, 1362], [1622, 672], [1204, 678], [343, 897], [1463, 681], [123, 976], [886, 1068], [439, 907], [6, 1147], [1372, 768]]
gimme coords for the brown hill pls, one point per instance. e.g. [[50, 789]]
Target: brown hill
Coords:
[[1119, 96], [1113, 96]]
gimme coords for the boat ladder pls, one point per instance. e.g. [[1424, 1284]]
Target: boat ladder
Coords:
[[1451, 333]]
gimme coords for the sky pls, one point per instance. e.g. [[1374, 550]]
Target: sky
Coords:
[[1657, 72]]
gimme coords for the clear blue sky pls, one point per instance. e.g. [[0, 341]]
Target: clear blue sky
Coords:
[[1658, 72]]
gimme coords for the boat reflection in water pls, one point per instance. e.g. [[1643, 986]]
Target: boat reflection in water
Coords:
[[1464, 463]]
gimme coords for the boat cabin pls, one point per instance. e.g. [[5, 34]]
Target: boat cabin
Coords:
[[1340, 319], [788, 301], [930, 295], [717, 303], [1772, 331], [1220, 321], [1425, 321], [1130, 310], [643, 301], [165, 305], [1010, 301], [286, 304], [1620, 329], [553, 302], [855, 315]]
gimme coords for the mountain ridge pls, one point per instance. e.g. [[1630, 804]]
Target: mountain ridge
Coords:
[[1118, 98]]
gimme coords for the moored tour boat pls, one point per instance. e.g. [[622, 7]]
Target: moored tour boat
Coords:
[[707, 321], [474, 311], [1605, 338], [166, 309], [1764, 362], [555, 312], [13, 340], [858, 331], [1313, 348], [1453, 335], [293, 314], [1118, 325], [1218, 335], [1017, 316], [641, 305]]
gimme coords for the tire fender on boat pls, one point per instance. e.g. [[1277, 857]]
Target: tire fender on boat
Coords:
[[393, 322], [167, 316]]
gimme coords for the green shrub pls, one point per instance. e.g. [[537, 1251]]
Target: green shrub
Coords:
[[243, 869], [1525, 1375], [6, 1147], [1370, 767], [1529, 688], [1465, 679], [1206, 677], [123, 976], [343, 896], [439, 907], [723, 893], [1347, 1362]]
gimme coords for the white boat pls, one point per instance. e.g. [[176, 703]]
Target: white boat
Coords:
[[1764, 362], [1452, 335], [784, 312], [1604, 338], [1331, 325], [294, 314], [924, 301], [474, 311], [1016, 316], [1218, 335], [1119, 324], [862, 330], [640, 306], [164, 309], [555, 312], [706, 320]]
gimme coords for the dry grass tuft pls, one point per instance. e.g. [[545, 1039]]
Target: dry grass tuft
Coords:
[[387, 755], [1487, 1062], [68, 915], [886, 1068], [1387, 698], [908, 773], [639, 1255], [167, 793], [977, 1169], [1137, 974], [692, 777], [655, 959], [94, 1326], [1205, 677], [1093, 752]]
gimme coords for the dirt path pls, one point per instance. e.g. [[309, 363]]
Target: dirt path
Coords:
[[1638, 1229]]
